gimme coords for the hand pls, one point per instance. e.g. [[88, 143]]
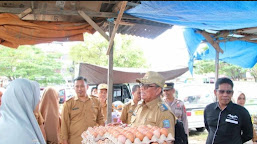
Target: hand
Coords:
[[114, 124], [65, 142], [254, 142]]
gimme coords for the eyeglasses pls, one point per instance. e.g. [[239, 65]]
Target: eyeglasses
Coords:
[[146, 86], [227, 91]]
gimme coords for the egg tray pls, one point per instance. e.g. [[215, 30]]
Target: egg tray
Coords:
[[90, 139]]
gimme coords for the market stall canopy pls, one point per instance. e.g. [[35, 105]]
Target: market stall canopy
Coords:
[[34, 22], [228, 26], [98, 74]]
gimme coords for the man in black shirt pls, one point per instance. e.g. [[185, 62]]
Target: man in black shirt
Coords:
[[226, 122]]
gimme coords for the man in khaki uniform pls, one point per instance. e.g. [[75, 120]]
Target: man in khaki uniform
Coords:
[[176, 106], [102, 97], [79, 113], [129, 107], [153, 110]]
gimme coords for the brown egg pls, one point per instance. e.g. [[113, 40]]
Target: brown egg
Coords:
[[94, 134], [140, 135], [130, 136], [149, 135], [164, 131], [116, 134], [157, 133]]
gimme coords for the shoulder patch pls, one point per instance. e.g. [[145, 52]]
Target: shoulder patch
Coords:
[[163, 107], [166, 123]]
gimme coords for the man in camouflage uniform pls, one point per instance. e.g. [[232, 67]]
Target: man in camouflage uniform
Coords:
[[152, 110], [176, 106]]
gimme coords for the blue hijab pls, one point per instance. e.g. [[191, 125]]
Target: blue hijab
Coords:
[[18, 124]]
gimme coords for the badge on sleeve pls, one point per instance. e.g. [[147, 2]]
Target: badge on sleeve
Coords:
[[166, 123], [163, 107]]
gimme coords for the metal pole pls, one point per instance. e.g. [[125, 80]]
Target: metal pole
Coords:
[[110, 80], [217, 67]]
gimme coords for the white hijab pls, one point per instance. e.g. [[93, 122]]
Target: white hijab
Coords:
[[18, 124]]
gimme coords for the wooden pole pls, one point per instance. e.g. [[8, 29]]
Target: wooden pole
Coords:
[[122, 9], [216, 68], [210, 40], [110, 81], [93, 24], [24, 13]]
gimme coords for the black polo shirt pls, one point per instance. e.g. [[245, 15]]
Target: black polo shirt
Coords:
[[233, 125]]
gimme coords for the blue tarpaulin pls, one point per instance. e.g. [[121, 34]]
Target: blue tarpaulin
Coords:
[[207, 15]]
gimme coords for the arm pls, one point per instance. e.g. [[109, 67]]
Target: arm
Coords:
[[184, 120], [41, 124], [247, 127], [169, 118], [100, 117], [65, 121], [124, 114], [205, 120]]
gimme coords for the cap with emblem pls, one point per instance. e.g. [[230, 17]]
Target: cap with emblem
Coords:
[[102, 86], [168, 86], [152, 77]]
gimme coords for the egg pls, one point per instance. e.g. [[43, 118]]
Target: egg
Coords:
[[139, 135], [164, 131], [94, 134], [149, 134], [116, 134], [130, 136], [157, 133], [122, 139]]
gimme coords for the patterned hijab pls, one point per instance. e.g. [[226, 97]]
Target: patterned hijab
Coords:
[[17, 122], [49, 108]]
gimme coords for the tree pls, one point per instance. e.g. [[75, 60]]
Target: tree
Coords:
[[93, 51], [253, 72], [208, 66], [31, 63], [204, 66], [233, 71]]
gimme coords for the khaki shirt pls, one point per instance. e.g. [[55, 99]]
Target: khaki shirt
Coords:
[[104, 111], [178, 108], [127, 112], [77, 116], [155, 113]]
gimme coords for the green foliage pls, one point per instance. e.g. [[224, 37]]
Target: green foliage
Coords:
[[93, 51], [204, 66], [253, 72], [233, 71], [208, 66], [31, 63]]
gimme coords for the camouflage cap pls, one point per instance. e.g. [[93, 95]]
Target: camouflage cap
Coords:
[[152, 77]]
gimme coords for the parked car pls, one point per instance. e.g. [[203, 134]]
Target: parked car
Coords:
[[121, 92], [195, 109], [196, 97]]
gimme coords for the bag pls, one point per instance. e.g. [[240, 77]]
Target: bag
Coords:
[[180, 135]]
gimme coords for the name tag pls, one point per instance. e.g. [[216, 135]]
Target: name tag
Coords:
[[75, 108], [231, 121]]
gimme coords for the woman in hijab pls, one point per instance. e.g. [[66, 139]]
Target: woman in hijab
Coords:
[[49, 108], [240, 98], [18, 124]]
